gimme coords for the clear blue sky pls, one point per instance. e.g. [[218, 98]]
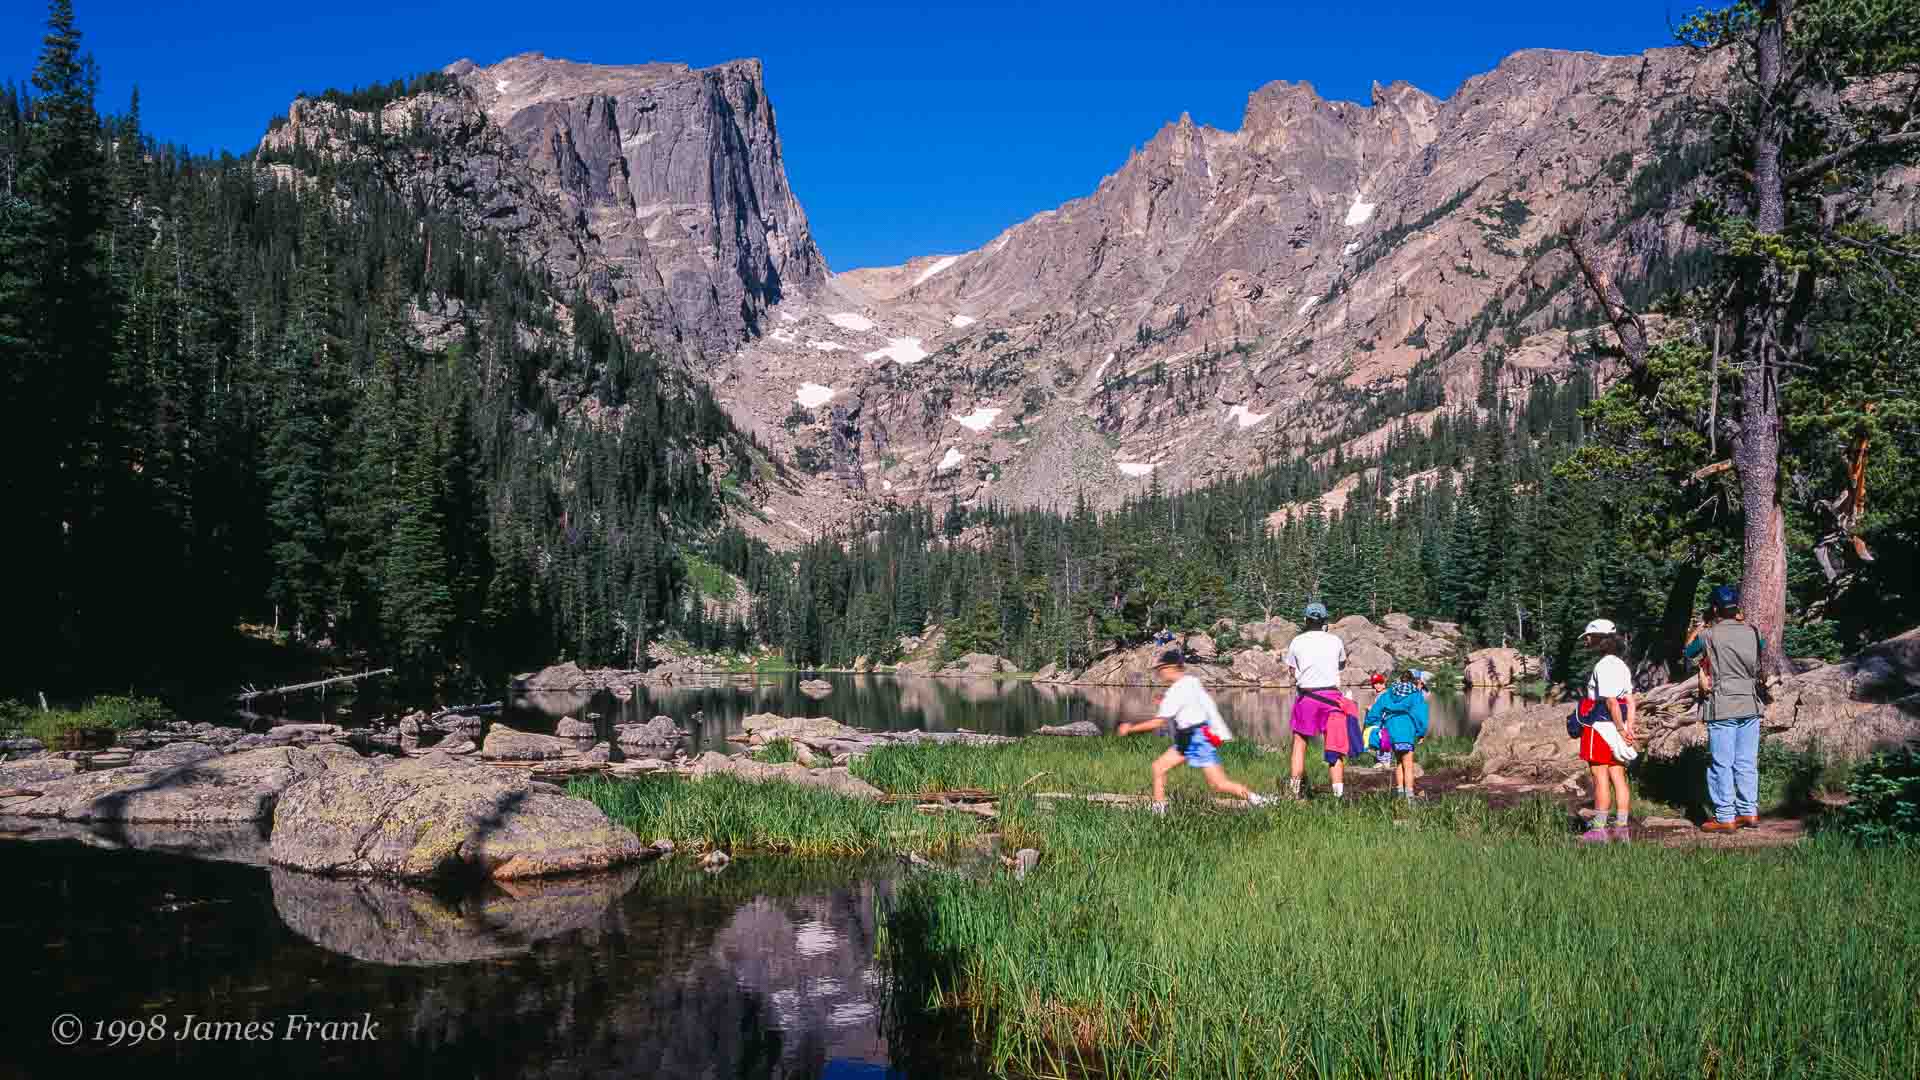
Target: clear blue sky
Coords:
[[907, 130]]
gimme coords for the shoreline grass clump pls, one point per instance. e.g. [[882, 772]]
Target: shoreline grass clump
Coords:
[[115, 712], [734, 815], [1447, 939]]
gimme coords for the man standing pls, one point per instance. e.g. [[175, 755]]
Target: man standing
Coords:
[[1188, 715], [1731, 653], [1319, 708]]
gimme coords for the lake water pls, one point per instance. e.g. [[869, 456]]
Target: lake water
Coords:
[[993, 706], [765, 970]]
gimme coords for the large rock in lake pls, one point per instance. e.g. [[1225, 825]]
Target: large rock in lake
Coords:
[[506, 744], [837, 780], [1261, 668], [425, 818], [659, 731], [567, 676], [1500, 667], [234, 788], [978, 664]]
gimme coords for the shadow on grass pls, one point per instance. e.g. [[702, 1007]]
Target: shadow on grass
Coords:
[[1790, 780]]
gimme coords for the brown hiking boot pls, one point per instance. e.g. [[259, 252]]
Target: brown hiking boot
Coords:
[[1747, 821], [1719, 826]]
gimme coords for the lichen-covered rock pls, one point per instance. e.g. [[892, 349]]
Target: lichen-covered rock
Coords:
[[816, 688], [506, 744], [567, 676], [978, 664], [1261, 668], [1050, 673], [659, 731], [1200, 646], [15, 774], [178, 753], [232, 788], [570, 728], [1077, 729], [420, 819], [762, 728], [837, 780], [1499, 667]]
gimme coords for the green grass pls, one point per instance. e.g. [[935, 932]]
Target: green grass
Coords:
[[733, 815], [708, 580], [109, 711], [1444, 939], [776, 752], [1106, 763]]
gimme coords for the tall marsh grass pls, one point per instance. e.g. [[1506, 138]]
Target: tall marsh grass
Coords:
[[1373, 939], [731, 814]]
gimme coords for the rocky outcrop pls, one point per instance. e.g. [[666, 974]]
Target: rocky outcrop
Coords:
[[1500, 667], [419, 819], [656, 189], [567, 676], [659, 731], [1258, 667], [1077, 729], [34, 771], [571, 728], [816, 688], [1134, 667], [238, 787], [978, 664]]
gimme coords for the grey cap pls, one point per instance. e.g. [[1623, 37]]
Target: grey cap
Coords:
[[1316, 610], [1171, 658]]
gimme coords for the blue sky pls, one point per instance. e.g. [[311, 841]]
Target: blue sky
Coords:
[[908, 130]]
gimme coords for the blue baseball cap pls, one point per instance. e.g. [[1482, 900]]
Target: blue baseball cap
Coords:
[[1316, 610], [1725, 596]]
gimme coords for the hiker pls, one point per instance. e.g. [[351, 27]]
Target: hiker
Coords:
[[1319, 708], [1188, 715], [1607, 714], [1400, 715], [1731, 654]]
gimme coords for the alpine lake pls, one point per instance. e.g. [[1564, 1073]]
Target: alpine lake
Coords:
[[218, 964]]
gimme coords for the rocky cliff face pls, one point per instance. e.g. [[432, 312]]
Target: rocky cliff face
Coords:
[[656, 188]]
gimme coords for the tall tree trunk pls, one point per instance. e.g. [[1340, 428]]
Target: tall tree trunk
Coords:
[[1764, 333]]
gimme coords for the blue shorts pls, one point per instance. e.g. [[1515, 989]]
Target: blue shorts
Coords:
[[1198, 749]]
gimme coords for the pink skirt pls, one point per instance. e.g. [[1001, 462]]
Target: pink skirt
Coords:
[[1311, 718]]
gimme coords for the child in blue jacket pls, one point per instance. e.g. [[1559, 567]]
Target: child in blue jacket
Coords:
[[1398, 720]]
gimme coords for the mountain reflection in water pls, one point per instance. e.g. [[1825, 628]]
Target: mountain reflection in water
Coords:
[[766, 970]]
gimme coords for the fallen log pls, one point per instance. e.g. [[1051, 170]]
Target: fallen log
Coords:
[[19, 793], [465, 710], [249, 695]]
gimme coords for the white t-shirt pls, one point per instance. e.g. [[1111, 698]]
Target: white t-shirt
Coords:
[[1315, 658], [1610, 679], [1187, 703]]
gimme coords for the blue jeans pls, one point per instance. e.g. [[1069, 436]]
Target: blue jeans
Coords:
[[1733, 780]]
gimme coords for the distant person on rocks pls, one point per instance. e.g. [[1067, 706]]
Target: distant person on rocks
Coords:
[[1319, 707], [1191, 719], [1607, 715], [1400, 713], [1732, 655]]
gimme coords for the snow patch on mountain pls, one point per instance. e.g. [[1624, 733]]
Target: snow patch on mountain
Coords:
[[904, 350], [1134, 468], [939, 264], [951, 460], [827, 345], [979, 419], [1247, 417], [1360, 213], [964, 321], [813, 395], [848, 320]]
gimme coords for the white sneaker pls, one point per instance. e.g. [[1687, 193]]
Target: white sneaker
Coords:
[[1254, 798], [1158, 809]]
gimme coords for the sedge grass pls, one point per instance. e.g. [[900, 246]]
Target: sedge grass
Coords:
[[733, 815], [1444, 939]]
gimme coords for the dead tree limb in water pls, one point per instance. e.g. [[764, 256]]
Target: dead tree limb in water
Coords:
[[297, 687]]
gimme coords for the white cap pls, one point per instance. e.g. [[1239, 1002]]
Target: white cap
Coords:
[[1601, 626]]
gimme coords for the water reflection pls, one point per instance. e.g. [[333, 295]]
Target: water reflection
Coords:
[[767, 970], [893, 703]]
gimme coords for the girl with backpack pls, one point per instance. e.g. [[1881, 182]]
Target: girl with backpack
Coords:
[[1396, 724], [1606, 721]]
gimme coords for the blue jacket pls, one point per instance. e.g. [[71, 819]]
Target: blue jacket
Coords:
[[1403, 709]]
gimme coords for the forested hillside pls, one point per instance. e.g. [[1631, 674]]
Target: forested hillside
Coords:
[[244, 394]]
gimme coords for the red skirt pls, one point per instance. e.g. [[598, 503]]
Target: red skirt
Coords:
[[1594, 749]]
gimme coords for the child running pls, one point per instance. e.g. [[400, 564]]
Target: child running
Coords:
[[1607, 715], [1188, 714], [1319, 708], [1401, 714]]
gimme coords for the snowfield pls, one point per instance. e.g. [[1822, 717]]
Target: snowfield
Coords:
[[904, 350], [1246, 417], [964, 321], [849, 320], [979, 419], [813, 395], [1360, 213], [939, 264], [953, 458], [1134, 468], [827, 346]]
